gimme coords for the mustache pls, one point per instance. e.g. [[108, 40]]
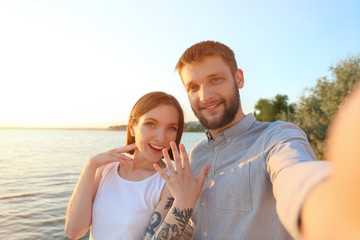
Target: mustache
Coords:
[[202, 104]]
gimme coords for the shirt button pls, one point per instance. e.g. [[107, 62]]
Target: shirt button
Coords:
[[209, 175], [216, 148], [203, 203], [227, 140], [232, 170], [205, 234]]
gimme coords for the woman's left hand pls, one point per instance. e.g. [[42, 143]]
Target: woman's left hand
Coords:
[[184, 187]]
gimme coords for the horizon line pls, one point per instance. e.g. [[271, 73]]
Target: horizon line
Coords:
[[55, 128]]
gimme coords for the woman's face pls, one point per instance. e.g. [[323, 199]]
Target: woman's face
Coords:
[[154, 131]]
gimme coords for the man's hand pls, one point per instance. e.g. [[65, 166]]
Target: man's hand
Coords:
[[332, 210]]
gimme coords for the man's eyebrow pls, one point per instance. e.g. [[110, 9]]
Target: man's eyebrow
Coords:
[[191, 82], [216, 74]]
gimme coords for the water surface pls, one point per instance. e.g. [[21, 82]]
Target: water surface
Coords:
[[38, 172]]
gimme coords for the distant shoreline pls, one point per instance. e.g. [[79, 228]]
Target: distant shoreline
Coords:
[[188, 127]]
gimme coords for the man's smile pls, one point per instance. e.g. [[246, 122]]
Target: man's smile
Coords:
[[210, 107]]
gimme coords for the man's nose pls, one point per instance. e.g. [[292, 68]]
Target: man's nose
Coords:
[[206, 93]]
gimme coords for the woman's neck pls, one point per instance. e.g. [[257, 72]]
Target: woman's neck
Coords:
[[139, 170]]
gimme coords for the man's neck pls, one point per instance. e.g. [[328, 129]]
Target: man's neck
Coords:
[[238, 117]]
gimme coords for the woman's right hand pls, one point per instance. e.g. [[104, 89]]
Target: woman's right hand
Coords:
[[113, 155]]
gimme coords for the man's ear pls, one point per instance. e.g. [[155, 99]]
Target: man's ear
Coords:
[[239, 78]]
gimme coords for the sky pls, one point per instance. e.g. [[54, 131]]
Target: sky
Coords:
[[85, 63]]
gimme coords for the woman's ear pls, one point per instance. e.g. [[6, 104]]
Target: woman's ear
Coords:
[[132, 132]]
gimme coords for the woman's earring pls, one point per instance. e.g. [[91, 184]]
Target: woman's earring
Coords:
[[132, 133]]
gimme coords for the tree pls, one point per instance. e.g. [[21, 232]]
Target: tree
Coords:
[[194, 127], [268, 110], [318, 105]]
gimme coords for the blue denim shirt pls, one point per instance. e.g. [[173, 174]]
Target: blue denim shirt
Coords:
[[260, 175]]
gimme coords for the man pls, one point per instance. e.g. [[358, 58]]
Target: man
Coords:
[[261, 173]]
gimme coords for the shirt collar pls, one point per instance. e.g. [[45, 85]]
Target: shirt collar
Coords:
[[242, 126], [208, 135]]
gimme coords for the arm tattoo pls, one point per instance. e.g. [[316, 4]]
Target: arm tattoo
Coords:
[[182, 216], [154, 222], [173, 231], [169, 203], [168, 231]]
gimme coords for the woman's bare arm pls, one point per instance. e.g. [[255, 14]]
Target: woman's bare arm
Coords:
[[79, 211]]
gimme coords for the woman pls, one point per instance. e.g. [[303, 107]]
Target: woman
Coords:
[[123, 197]]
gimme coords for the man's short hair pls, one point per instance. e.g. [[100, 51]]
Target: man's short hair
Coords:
[[197, 52]]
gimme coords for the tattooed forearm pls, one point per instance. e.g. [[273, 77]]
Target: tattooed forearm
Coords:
[[168, 231], [174, 231], [182, 216], [169, 203], [154, 222]]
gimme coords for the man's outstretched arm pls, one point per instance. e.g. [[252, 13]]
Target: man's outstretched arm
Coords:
[[332, 210]]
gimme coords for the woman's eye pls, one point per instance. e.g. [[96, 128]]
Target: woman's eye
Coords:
[[151, 125], [173, 129]]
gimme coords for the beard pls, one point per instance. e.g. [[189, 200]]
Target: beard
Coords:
[[231, 109]]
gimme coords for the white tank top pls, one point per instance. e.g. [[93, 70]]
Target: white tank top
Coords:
[[122, 209]]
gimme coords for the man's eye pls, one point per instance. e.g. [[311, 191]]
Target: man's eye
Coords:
[[192, 88], [216, 79]]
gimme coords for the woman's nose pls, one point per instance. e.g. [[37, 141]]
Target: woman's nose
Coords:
[[160, 135]]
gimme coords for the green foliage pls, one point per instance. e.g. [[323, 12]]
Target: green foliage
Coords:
[[268, 110], [194, 127], [319, 104]]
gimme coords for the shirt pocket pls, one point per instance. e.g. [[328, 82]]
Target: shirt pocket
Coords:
[[233, 188]]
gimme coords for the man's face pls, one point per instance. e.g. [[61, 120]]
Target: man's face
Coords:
[[213, 92]]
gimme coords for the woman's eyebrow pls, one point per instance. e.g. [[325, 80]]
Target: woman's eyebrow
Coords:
[[151, 119]]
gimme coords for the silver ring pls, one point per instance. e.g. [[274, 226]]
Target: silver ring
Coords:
[[173, 174]]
